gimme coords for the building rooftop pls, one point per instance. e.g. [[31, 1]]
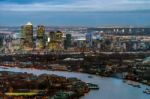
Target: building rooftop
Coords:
[[29, 23]]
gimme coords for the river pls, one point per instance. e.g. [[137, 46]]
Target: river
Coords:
[[110, 88]]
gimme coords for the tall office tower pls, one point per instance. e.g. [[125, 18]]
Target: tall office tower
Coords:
[[59, 39], [58, 36], [52, 36], [6, 42], [27, 36], [89, 40], [40, 41], [51, 43], [67, 41], [1, 41], [55, 40], [40, 31]]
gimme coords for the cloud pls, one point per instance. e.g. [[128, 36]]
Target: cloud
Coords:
[[78, 5]]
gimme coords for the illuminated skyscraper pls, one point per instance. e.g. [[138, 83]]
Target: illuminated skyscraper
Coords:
[[40, 37], [55, 42], [58, 36], [40, 31], [27, 35]]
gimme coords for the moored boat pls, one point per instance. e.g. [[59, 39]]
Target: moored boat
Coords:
[[92, 86], [90, 76], [138, 86], [147, 91]]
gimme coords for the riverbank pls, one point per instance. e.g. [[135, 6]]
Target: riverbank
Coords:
[[124, 65], [61, 68], [45, 86]]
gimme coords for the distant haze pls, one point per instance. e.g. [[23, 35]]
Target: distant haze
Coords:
[[75, 18], [75, 12]]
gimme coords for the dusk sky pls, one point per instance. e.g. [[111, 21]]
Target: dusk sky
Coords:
[[75, 12]]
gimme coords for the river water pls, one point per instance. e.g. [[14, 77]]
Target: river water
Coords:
[[110, 88]]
